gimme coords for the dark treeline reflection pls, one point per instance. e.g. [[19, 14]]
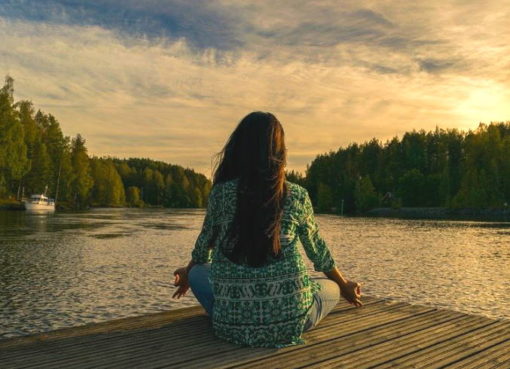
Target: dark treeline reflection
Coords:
[[34, 154], [441, 168]]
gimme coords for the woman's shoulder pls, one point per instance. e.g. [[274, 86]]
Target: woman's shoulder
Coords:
[[222, 187], [296, 191], [231, 183]]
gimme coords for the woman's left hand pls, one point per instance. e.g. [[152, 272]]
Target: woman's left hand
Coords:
[[351, 291], [181, 281]]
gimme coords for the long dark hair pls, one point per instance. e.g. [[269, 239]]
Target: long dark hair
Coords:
[[255, 154]]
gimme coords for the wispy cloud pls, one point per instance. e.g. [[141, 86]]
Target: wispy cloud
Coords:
[[170, 79], [202, 23]]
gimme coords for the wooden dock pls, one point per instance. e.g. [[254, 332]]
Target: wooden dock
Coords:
[[381, 334]]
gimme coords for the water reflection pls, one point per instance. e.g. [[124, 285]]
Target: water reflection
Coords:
[[67, 269]]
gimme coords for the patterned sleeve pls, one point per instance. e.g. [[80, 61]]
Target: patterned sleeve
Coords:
[[202, 251], [315, 247]]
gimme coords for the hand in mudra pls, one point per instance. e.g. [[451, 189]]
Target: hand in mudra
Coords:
[[351, 291], [181, 282]]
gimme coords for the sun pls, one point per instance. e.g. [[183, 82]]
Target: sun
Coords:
[[486, 102]]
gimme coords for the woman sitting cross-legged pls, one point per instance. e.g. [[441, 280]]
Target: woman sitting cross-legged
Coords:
[[246, 269]]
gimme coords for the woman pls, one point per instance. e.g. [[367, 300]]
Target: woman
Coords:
[[246, 269]]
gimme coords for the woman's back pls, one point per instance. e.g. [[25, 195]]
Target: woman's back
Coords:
[[265, 306], [246, 270]]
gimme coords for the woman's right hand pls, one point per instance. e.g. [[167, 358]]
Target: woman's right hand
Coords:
[[351, 291]]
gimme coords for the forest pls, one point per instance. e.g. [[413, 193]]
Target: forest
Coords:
[[441, 168], [35, 157]]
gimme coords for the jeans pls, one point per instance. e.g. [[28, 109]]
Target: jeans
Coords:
[[323, 301]]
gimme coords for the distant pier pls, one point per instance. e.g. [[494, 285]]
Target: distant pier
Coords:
[[381, 334]]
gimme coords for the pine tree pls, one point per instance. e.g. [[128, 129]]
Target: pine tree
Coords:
[[159, 187], [108, 189], [40, 175], [82, 182], [133, 197], [13, 150], [365, 196], [324, 197]]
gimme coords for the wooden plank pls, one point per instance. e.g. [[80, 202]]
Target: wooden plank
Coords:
[[475, 345], [121, 343], [371, 312], [139, 322], [66, 358], [490, 357], [175, 317], [207, 345], [455, 349], [193, 336], [395, 348], [312, 337], [503, 365], [199, 322], [207, 351], [345, 344], [383, 333], [339, 344]]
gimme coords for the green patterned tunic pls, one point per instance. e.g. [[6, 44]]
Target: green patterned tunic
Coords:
[[265, 306]]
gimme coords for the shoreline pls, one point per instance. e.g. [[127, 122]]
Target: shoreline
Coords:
[[18, 206], [430, 213], [440, 214]]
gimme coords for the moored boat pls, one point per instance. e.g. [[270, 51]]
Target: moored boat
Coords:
[[40, 204]]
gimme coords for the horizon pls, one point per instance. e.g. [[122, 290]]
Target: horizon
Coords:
[[170, 80]]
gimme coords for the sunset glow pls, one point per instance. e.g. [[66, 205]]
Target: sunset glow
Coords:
[[169, 80]]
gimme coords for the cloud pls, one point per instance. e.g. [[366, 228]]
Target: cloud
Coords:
[[199, 21], [435, 65], [171, 79]]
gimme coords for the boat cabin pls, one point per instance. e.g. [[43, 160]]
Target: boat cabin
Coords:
[[41, 199]]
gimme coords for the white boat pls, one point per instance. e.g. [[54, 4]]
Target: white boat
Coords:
[[40, 204]]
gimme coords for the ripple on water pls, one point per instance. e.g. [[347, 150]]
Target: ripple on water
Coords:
[[77, 268]]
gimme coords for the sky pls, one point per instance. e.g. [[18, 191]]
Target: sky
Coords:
[[171, 79]]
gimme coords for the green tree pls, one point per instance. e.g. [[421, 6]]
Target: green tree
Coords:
[[505, 169], [108, 189], [159, 187], [40, 175], [196, 198], [365, 196], [295, 177], [412, 188], [64, 175], [148, 188], [82, 182], [324, 197], [13, 150], [31, 132], [133, 197]]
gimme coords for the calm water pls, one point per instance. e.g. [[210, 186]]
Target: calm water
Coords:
[[74, 268]]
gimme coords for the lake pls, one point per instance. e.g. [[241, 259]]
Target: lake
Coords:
[[74, 268]]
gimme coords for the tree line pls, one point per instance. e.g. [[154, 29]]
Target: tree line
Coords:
[[440, 168], [36, 156]]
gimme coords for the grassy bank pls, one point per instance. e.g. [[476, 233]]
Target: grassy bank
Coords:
[[9, 204]]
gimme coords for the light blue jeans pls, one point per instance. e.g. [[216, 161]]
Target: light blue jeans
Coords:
[[323, 301]]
